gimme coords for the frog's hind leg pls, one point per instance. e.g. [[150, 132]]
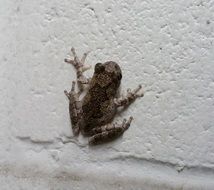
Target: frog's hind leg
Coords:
[[109, 132], [80, 67], [75, 109]]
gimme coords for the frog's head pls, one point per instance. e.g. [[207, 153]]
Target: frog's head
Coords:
[[109, 72]]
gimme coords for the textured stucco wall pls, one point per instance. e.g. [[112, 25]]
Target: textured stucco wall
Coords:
[[166, 45]]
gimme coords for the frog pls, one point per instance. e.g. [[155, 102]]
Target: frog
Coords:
[[92, 115]]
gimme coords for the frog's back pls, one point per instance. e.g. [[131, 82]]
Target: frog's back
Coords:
[[98, 109], [98, 104]]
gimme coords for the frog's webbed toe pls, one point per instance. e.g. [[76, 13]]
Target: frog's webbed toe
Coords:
[[80, 67], [129, 98]]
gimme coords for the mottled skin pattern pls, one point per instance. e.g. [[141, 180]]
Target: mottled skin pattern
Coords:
[[98, 104], [92, 115]]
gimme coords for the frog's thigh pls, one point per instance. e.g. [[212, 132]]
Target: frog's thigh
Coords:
[[75, 109], [109, 132]]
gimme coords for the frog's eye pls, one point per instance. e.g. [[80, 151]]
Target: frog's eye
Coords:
[[99, 67], [119, 76]]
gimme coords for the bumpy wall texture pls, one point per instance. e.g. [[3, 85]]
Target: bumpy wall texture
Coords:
[[166, 45]]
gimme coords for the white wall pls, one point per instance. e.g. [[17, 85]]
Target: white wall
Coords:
[[166, 45]]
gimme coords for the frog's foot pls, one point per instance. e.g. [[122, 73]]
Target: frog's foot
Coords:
[[129, 98], [109, 132], [75, 109], [80, 67]]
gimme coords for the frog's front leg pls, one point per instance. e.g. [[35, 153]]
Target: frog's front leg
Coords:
[[130, 97], [109, 132], [80, 69], [75, 109]]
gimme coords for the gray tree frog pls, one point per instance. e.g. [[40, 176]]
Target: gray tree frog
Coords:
[[93, 114]]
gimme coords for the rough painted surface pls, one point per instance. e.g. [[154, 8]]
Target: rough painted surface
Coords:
[[167, 46]]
